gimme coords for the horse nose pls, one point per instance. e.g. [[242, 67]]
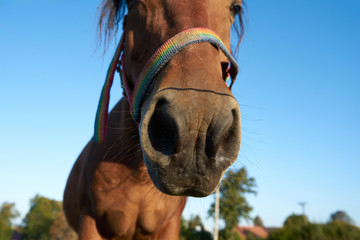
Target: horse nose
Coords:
[[164, 128], [189, 138], [201, 134]]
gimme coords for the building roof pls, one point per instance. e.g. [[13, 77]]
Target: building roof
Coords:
[[258, 231]]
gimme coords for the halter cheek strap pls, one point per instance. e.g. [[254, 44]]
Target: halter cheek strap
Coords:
[[163, 55], [103, 106]]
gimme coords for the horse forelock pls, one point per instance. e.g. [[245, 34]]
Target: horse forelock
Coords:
[[112, 11], [240, 24]]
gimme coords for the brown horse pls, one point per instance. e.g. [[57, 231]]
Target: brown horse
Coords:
[[134, 185]]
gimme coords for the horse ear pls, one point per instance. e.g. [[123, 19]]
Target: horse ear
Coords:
[[111, 12]]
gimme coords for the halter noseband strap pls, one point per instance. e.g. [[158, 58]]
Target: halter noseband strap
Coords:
[[163, 55]]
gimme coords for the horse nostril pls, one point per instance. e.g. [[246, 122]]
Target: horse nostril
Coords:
[[221, 135], [162, 129]]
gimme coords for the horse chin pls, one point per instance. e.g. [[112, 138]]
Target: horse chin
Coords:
[[173, 180]]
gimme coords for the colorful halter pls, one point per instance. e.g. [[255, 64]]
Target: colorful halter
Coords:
[[163, 55]]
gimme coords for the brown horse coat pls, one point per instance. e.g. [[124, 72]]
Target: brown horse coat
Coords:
[[109, 192]]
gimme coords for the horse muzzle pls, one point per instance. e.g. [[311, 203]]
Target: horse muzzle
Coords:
[[189, 138]]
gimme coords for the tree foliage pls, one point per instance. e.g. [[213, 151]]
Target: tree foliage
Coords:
[[296, 221], [7, 214], [298, 227], [339, 230], [193, 229], [60, 229], [295, 227], [233, 204], [40, 218], [341, 216], [258, 221], [252, 236]]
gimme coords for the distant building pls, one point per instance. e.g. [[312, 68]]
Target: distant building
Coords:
[[257, 231]]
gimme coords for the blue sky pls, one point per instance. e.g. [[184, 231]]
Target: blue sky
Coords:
[[298, 89]]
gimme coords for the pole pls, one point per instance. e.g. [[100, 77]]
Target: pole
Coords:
[[302, 204], [216, 230]]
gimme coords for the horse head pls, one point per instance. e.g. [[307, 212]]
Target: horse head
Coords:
[[188, 119]]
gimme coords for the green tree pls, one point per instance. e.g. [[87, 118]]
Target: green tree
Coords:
[[341, 216], [252, 236], [293, 228], [7, 214], [193, 229], [233, 205], [258, 222], [40, 218], [340, 230], [297, 227], [296, 221], [60, 229]]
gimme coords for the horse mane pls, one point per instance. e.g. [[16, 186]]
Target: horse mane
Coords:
[[112, 11], [239, 25]]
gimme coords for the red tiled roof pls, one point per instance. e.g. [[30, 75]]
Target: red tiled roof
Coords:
[[258, 231]]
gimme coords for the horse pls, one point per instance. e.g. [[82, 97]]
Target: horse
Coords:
[[172, 135]]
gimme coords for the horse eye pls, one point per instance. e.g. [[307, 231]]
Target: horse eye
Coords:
[[235, 9]]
